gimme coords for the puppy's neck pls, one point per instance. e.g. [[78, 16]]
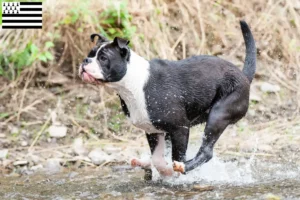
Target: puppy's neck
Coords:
[[130, 87]]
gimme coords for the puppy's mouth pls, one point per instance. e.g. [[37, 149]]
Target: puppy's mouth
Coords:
[[86, 77]]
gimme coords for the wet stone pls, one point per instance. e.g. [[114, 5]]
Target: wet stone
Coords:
[[98, 156], [203, 188], [20, 162]]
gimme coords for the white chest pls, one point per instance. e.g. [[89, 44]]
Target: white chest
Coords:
[[130, 88], [139, 116]]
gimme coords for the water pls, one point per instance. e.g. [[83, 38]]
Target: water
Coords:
[[231, 178], [237, 176]]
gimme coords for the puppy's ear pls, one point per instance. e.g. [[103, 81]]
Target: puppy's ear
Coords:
[[100, 40], [123, 45]]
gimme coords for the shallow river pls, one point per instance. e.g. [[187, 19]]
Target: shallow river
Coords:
[[242, 178]]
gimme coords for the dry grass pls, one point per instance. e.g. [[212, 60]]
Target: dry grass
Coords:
[[172, 29]]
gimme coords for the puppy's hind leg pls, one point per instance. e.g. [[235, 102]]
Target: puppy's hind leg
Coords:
[[224, 112]]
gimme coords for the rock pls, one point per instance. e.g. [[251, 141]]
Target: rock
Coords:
[[20, 162], [203, 188], [78, 147], [2, 135], [255, 97], [98, 156], [3, 153], [269, 88], [24, 143], [53, 165], [57, 131], [37, 167]]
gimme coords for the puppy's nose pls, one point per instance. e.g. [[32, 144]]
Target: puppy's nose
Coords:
[[87, 61]]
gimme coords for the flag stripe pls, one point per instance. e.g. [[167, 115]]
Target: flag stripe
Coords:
[[22, 15], [22, 24], [22, 18], [30, 9], [30, 12], [30, 3], [35, 6], [21, 21], [21, 27]]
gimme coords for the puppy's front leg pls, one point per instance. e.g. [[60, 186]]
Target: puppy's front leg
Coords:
[[156, 142], [158, 157], [179, 139]]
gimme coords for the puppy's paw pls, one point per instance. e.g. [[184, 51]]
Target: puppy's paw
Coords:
[[135, 163], [178, 167]]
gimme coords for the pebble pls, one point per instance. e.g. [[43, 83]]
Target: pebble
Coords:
[[20, 162], [3, 153], [53, 165], [37, 167], [24, 143], [202, 188], [57, 131], [98, 156], [2, 135], [267, 87]]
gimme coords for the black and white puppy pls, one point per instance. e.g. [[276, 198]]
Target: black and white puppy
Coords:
[[166, 97]]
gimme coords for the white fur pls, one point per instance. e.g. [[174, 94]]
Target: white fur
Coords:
[[158, 157], [130, 88]]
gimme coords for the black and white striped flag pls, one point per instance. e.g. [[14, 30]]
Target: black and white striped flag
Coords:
[[22, 15]]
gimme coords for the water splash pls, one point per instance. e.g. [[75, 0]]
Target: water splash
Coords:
[[241, 171]]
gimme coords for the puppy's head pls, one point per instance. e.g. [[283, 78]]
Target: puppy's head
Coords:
[[106, 62]]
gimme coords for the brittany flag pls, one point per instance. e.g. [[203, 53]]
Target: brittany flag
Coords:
[[22, 15]]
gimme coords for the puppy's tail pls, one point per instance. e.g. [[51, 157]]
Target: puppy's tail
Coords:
[[250, 61]]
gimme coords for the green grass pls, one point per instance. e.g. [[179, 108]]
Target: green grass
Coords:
[[22, 58]]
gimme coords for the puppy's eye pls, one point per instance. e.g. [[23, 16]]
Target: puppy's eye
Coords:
[[103, 58]]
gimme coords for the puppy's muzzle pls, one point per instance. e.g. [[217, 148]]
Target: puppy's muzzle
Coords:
[[83, 73]]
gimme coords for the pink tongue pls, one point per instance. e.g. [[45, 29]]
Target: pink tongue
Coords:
[[88, 77]]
